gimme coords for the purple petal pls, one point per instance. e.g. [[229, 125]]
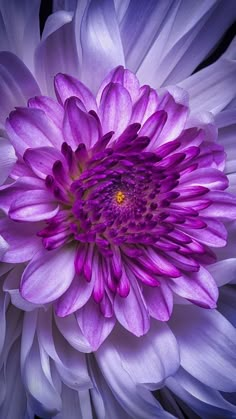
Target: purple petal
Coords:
[[79, 126], [198, 287], [212, 88], [145, 105], [207, 340], [16, 84], [57, 51], [115, 108], [207, 177], [223, 205], [127, 79], [75, 297], [22, 239], [159, 301], [93, 324], [145, 358], [42, 159], [52, 108], [33, 206], [175, 103], [153, 127], [48, 275], [9, 193], [98, 39], [31, 128], [7, 159], [131, 311], [67, 86]]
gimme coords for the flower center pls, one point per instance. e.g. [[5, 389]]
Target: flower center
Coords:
[[120, 197]]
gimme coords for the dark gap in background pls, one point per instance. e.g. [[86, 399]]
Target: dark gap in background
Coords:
[[44, 12], [220, 49]]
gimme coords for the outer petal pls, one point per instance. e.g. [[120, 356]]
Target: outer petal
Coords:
[[93, 324], [98, 41], [150, 359], [205, 401], [22, 240], [31, 128], [21, 26], [33, 206], [17, 84], [7, 159], [44, 398], [48, 275], [188, 34], [212, 88], [135, 400], [199, 288], [207, 346], [57, 50]]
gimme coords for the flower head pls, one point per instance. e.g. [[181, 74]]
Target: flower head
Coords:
[[121, 199]]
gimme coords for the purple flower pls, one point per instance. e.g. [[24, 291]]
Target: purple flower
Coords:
[[118, 212], [120, 200]]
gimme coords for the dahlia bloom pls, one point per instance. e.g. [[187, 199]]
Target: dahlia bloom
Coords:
[[118, 212]]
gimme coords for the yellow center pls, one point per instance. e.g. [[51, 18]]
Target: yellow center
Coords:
[[119, 197]]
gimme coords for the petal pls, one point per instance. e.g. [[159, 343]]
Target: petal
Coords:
[[48, 275], [8, 193], [15, 396], [199, 288], [134, 399], [187, 35], [208, 177], [11, 285], [43, 396], [41, 160], [33, 206], [22, 240], [159, 301], [175, 103], [223, 271], [93, 324], [207, 346], [128, 80], [16, 84], [212, 88], [205, 401], [67, 86], [75, 297], [31, 128], [115, 108], [21, 23], [131, 311], [98, 41], [7, 159], [52, 108], [223, 205], [71, 364], [57, 51], [150, 359], [79, 126], [69, 328]]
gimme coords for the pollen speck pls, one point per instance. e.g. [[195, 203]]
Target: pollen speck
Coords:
[[120, 196]]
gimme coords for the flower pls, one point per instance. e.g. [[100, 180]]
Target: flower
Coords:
[[114, 208]]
